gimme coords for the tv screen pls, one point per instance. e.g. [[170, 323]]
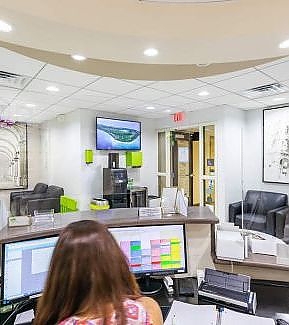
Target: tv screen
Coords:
[[114, 134]]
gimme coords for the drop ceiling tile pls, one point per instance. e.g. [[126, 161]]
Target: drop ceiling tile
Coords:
[[19, 64], [280, 72], [249, 104], [224, 76], [195, 106], [56, 74], [40, 86], [74, 103], [7, 94], [177, 86], [147, 94], [91, 96], [275, 100], [124, 102], [246, 81], [212, 90], [41, 99], [132, 112], [231, 99], [113, 86], [175, 100]]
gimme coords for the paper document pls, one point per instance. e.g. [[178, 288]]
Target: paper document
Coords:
[[187, 314], [25, 317], [230, 317]]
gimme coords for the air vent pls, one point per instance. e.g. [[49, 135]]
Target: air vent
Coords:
[[266, 90], [13, 80]]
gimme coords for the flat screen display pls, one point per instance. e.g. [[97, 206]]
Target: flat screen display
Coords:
[[153, 249], [24, 266], [114, 134]]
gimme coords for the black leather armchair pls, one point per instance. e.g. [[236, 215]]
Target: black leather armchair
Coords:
[[15, 197], [282, 224], [29, 201], [260, 211]]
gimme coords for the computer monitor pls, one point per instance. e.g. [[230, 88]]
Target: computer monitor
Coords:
[[153, 250], [150, 250], [24, 267]]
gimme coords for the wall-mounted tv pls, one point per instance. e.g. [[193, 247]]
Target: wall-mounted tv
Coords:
[[115, 134]]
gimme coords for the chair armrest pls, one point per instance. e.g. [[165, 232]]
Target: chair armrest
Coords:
[[43, 204], [275, 221], [234, 209]]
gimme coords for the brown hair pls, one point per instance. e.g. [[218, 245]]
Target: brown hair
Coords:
[[88, 276]]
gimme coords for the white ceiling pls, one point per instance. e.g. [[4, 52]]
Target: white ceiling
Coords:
[[84, 91]]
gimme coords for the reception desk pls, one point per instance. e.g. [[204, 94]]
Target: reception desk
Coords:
[[200, 229]]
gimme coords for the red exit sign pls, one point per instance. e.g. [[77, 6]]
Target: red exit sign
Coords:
[[179, 116]]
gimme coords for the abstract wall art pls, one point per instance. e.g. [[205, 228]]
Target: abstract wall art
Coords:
[[276, 145]]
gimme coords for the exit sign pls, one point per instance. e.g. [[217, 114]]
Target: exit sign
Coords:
[[179, 116]]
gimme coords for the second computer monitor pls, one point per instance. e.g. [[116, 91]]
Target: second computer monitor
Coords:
[[153, 250]]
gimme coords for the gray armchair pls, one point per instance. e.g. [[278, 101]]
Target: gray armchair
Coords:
[[260, 211], [15, 197], [28, 201]]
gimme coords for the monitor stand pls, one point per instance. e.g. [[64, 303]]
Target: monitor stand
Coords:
[[149, 286]]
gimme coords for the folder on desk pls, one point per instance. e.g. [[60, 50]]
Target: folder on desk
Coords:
[[187, 314]]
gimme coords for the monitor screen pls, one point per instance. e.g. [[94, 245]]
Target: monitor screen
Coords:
[[24, 266], [149, 250], [153, 249], [114, 134]]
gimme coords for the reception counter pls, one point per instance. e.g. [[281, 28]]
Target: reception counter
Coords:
[[112, 218]]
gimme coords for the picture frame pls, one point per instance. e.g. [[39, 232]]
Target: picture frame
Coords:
[[276, 145], [13, 156]]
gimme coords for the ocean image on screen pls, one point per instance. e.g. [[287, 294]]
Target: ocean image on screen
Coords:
[[118, 134]]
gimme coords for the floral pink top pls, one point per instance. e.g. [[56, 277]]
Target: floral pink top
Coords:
[[135, 313]]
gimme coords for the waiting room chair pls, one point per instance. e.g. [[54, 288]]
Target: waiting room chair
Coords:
[[15, 197], [260, 211]]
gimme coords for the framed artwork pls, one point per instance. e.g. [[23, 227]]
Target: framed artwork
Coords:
[[13, 155], [276, 145]]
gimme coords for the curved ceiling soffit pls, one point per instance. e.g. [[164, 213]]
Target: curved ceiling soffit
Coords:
[[120, 30], [135, 71]]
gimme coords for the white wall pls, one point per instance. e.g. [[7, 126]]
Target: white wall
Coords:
[[253, 155], [65, 142], [61, 149]]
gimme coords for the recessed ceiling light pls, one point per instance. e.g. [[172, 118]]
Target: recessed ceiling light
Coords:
[[167, 111], [30, 105], [278, 99], [52, 88], [150, 107], [78, 57], [151, 52], [4, 27], [17, 115], [284, 45], [203, 93]]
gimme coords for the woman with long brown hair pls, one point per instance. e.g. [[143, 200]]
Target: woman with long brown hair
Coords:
[[89, 282]]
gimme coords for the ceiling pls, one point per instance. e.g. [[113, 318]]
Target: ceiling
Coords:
[[120, 30], [122, 96]]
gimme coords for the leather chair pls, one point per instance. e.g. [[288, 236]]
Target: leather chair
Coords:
[[282, 224], [15, 197], [44, 201], [260, 211]]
